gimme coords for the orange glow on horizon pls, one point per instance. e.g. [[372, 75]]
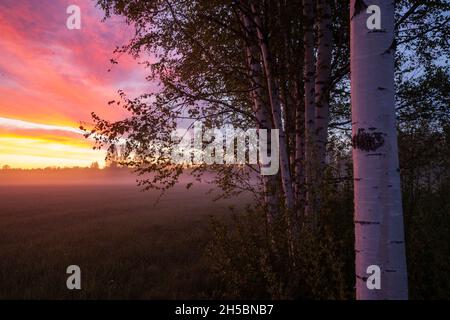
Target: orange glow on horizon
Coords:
[[52, 78], [40, 152]]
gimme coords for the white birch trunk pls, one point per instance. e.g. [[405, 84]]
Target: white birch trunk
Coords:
[[323, 74], [299, 150], [276, 113], [379, 236], [262, 116], [309, 75]]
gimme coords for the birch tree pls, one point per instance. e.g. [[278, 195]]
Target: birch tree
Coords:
[[379, 235], [308, 79], [263, 118], [323, 78], [274, 96]]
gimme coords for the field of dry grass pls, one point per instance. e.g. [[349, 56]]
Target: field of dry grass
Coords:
[[126, 247]]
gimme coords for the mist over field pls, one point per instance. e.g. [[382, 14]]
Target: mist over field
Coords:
[[127, 245]]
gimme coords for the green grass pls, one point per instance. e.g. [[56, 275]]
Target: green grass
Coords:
[[126, 247]]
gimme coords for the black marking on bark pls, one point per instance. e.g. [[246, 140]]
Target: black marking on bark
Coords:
[[392, 47], [374, 154], [366, 222], [362, 278], [372, 128], [396, 242], [360, 5], [381, 88], [389, 270], [367, 141], [377, 31]]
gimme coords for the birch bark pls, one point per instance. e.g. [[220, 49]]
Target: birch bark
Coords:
[[259, 108], [276, 112], [379, 236], [322, 81], [309, 75]]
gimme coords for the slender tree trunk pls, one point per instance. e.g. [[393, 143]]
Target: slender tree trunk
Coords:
[[299, 122], [286, 65], [299, 149], [379, 236], [309, 75], [273, 90], [276, 112], [262, 115], [323, 79]]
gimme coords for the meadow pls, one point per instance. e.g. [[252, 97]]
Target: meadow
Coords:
[[126, 246]]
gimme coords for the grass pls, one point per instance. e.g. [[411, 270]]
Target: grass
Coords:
[[126, 247]]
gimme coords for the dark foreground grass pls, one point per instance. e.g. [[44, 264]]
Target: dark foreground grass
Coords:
[[125, 246]]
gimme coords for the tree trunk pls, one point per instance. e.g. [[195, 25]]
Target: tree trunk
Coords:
[[309, 75], [299, 149], [276, 112], [323, 75], [379, 238], [262, 115]]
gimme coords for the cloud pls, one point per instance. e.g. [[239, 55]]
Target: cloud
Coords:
[[51, 78], [20, 124]]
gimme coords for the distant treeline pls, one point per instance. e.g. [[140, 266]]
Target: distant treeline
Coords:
[[66, 175]]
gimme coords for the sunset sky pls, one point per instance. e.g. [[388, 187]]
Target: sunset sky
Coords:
[[51, 78]]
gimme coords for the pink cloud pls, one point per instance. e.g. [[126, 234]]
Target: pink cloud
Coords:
[[50, 74]]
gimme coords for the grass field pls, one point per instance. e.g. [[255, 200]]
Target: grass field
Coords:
[[126, 247]]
